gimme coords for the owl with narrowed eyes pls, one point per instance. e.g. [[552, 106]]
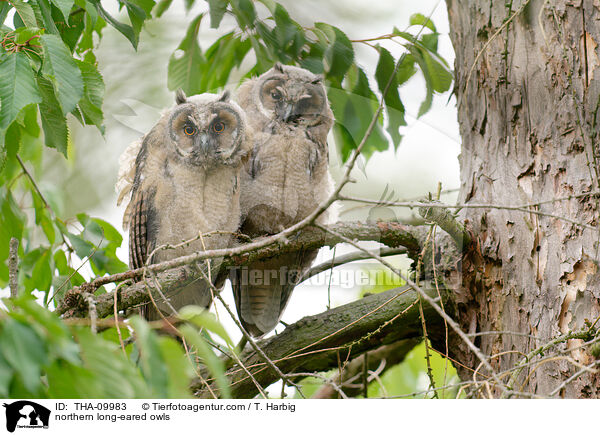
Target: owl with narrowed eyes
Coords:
[[285, 179], [183, 182]]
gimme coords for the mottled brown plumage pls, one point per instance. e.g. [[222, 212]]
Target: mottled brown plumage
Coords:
[[286, 178], [185, 181]]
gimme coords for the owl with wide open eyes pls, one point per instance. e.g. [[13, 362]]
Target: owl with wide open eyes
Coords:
[[285, 179], [183, 182]]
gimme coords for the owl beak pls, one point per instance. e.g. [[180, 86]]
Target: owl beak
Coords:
[[204, 142], [288, 112]]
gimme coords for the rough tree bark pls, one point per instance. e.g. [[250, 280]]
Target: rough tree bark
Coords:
[[528, 113]]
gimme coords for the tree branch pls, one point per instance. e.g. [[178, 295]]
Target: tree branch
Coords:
[[349, 258], [448, 222], [390, 234], [13, 267], [314, 343]]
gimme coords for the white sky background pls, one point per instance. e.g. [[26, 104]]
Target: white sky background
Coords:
[[136, 90]]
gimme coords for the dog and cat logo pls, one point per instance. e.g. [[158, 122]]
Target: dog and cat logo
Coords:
[[26, 415]]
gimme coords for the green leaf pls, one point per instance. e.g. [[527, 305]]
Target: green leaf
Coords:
[[114, 375], [93, 94], [270, 5], [54, 124], [64, 6], [244, 12], [162, 7], [45, 11], [226, 53], [12, 140], [288, 34], [41, 276], [24, 34], [217, 11], [25, 13], [183, 70], [179, 369], [427, 102], [354, 109], [109, 232], [437, 77], [4, 8], [430, 41], [82, 247], [69, 381], [68, 276], [146, 5], [151, 362], [339, 54], [214, 364], [385, 73], [50, 328], [421, 20], [30, 121], [205, 319], [70, 31], [27, 352], [6, 374], [264, 59], [137, 15], [435, 72], [13, 221], [406, 69], [62, 70], [124, 29], [17, 86]]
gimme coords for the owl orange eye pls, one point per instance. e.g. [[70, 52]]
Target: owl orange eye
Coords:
[[218, 127], [276, 94], [189, 130]]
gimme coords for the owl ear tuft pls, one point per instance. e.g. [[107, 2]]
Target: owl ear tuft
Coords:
[[278, 67], [180, 97], [224, 96]]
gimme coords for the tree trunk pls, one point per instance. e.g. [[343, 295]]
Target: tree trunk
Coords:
[[528, 98]]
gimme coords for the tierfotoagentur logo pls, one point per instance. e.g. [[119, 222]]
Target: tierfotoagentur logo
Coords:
[[24, 414]]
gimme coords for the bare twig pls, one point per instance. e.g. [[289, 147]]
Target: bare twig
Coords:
[[539, 351], [379, 360], [93, 315], [250, 340], [349, 258], [526, 208]]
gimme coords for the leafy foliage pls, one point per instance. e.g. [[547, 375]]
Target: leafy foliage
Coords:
[[323, 49], [41, 357], [49, 76]]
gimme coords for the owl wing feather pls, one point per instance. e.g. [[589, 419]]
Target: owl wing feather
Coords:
[[261, 303], [127, 171], [138, 232]]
